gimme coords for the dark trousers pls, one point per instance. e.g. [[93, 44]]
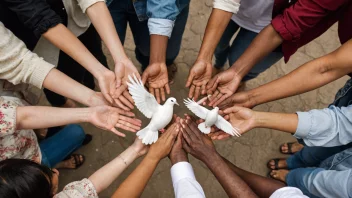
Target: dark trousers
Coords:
[[74, 70]]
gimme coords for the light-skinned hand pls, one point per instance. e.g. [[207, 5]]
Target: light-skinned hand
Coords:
[[157, 79], [140, 148], [222, 86], [198, 77], [107, 84], [242, 99], [107, 118]]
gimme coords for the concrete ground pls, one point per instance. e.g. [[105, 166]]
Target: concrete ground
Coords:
[[250, 152]]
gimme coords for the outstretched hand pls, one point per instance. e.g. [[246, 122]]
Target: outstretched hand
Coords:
[[157, 79], [242, 99], [107, 118], [198, 77]]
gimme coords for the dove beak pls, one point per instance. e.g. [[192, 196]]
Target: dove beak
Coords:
[[177, 103]]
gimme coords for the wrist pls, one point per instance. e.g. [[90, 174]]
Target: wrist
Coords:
[[180, 156], [211, 158], [152, 157], [204, 57], [261, 119], [85, 114]]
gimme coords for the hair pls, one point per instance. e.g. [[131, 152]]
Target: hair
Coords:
[[20, 178]]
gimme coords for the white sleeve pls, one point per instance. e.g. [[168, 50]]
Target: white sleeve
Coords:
[[288, 192], [227, 5], [184, 181]]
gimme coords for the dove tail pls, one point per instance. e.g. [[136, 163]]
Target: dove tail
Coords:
[[147, 136], [203, 128]]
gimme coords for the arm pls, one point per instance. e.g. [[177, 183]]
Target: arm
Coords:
[[135, 183], [201, 147], [103, 177]]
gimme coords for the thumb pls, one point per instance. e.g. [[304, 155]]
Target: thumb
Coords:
[[145, 77], [189, 79], [232, 110]]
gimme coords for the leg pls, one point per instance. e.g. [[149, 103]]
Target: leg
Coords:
[[241, 43], [298, 178], [58, 147], [223, 47], [118, 13]]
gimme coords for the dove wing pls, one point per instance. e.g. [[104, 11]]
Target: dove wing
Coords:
[[197, 109], [144, 101], [225, 126]]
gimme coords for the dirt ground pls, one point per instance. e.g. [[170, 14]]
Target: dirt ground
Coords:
[[250, 152]]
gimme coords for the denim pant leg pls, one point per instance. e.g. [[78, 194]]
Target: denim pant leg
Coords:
[[118, 10], [241, 43], [223, 48], [58, 147], [298, 178], [141, 37]]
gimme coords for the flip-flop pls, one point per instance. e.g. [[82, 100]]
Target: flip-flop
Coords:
[[276, 163], [88, 138], [289, 148], [76, 157]]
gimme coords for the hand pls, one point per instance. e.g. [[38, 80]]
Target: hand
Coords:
[[107, 118], [163, 146], [196, 143], [242, 99], [107, 84], [121, 96], [139, 147], [198, 78], [222, 86], [97, 99], [240, 117], [156, 77], [177, 153]]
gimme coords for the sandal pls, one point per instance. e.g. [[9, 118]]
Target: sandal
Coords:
[[76, 157], [276, 164], [289, 148], [88, 138]]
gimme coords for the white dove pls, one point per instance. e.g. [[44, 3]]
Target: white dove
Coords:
[[211, 117], [160, 115]]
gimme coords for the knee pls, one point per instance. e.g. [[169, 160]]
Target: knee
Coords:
[[76, 132]]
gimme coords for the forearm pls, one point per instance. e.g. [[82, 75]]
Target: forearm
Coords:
[[158, 46], [262, 186], [103, 23], [217, 23], [63, 39], [36, 117], [135, 183], [102, 178], [232, 183], [59, 83], [263, 44], [310, 76], [277, 121]]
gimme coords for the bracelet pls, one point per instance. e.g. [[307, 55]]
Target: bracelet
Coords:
[[124, 161]]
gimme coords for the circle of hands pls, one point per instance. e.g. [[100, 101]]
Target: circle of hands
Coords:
[[220, 90]]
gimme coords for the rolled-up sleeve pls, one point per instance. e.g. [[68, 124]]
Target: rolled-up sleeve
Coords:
[[303, 15], [184, 181], [36, 15], [326, 127], [227, 5], [85, 4]]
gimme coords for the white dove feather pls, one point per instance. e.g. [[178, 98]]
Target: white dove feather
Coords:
[[202, 113]]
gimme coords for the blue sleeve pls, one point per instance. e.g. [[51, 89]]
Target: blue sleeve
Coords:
[[327, 127]]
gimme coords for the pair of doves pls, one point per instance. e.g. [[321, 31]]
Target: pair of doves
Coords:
[[161, 115]]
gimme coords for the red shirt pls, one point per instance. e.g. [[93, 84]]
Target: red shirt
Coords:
[[301, 21]]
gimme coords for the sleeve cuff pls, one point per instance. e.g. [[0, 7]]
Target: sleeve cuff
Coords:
[[41, 70], [304, 124], [227, 5], [85, 4], [160, 26], [180, 171]]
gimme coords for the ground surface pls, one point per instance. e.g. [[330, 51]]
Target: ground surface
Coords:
[[250, 152]]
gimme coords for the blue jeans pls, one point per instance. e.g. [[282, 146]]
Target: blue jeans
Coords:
[[57, 147], [244, 38], [123, 12], [314, 156]]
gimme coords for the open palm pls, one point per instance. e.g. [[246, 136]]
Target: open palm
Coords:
[[158, 81], [198, 78]]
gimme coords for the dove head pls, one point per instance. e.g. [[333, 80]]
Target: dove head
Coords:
[[216, 109], [171, 101]]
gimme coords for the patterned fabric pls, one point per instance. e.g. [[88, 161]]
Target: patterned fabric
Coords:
[[21, 144], [78, 189]]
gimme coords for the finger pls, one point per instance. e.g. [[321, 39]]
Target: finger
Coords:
[[215, 85], [133, 121], [144, 77], [128, 96], [197, 93], [212, 97], [193, 127], [162, 91], [185, 146], [220, 100], [167, 87], [126, 102], [151, 90], [117, 132], [233, 109], [119, 91], [226, 103], [124, 127], [191, 91], [157, 95], [189, 79], [211, 82], [107, 96], [223, 136], [119, 104], [186, 136], [204, 91], [189, 131], [173, 134]]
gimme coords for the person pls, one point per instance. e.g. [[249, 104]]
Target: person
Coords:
[[250, 18], [24, 178], [235, 181], [294, 24], [165, 22], [35, 18], [314, 175]]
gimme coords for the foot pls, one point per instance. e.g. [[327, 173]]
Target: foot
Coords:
[[275, 164], [279, 174], [291, 147], [171, 71], [74, 161], [69, 104]]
